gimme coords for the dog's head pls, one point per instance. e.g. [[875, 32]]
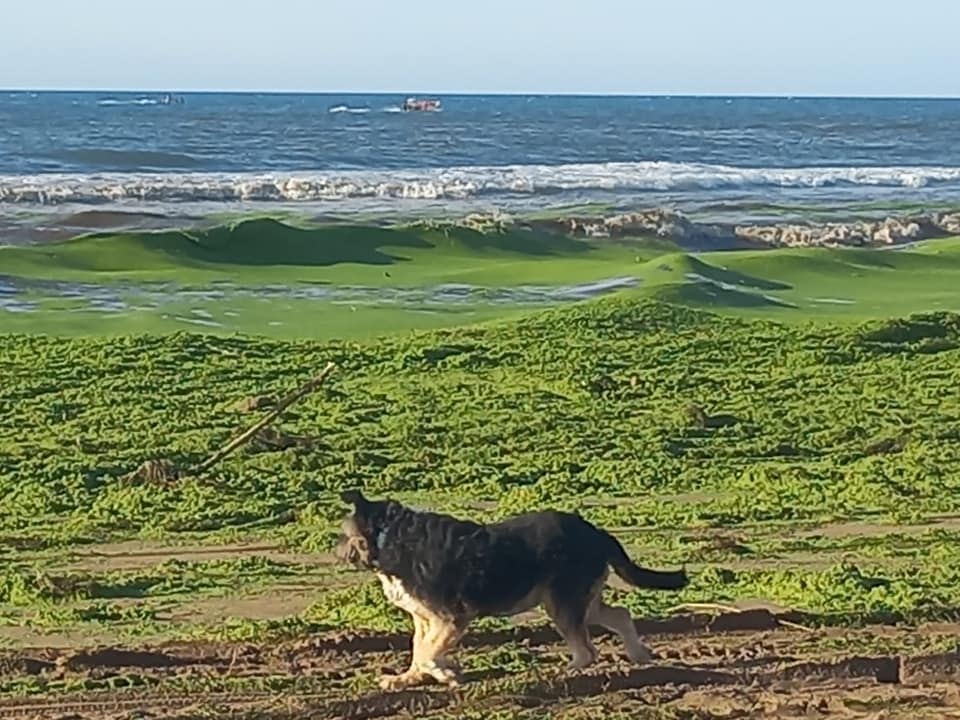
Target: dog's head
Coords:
[[359, 531]]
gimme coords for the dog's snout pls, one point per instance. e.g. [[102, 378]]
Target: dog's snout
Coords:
[[352, 549], [341, 550]]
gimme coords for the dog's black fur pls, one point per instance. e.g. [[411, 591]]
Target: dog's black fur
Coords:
[[452, 571]]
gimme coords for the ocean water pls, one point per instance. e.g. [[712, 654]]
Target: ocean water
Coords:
[[324, 153]]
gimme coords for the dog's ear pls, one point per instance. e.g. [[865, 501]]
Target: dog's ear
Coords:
[[353, 497]]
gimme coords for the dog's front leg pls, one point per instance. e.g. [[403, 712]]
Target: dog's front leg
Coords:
[[442, 636], [414, 675]]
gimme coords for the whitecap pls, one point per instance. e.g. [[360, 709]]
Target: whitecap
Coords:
[[461, 182], [348, 109]]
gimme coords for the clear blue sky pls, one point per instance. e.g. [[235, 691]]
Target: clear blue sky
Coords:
[[782, 47]]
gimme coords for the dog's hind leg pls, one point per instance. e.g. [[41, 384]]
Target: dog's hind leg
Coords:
[[568, 610], [618, 620]]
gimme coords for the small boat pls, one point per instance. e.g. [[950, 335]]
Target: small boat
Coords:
[[420, 105]]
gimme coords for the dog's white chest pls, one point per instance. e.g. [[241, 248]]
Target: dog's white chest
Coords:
[[397, 594]]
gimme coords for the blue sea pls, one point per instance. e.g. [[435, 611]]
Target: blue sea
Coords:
[[330, 153]]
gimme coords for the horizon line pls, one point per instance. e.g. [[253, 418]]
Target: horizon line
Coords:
[[561, 93]]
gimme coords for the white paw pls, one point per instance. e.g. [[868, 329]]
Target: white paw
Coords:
[[442, 672], [398, 682]]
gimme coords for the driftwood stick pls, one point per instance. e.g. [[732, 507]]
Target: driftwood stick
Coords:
[[704, 607], [722, 607], [280, 407]]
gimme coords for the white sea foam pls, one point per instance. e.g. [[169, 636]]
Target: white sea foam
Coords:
[[449, 183], [348, 109], [106, 102]]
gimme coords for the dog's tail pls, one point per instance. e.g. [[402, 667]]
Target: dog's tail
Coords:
[[641, 577]]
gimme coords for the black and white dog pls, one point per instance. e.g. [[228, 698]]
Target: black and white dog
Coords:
[[446, 572]]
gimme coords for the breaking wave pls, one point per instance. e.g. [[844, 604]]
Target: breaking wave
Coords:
[[450, 183]]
